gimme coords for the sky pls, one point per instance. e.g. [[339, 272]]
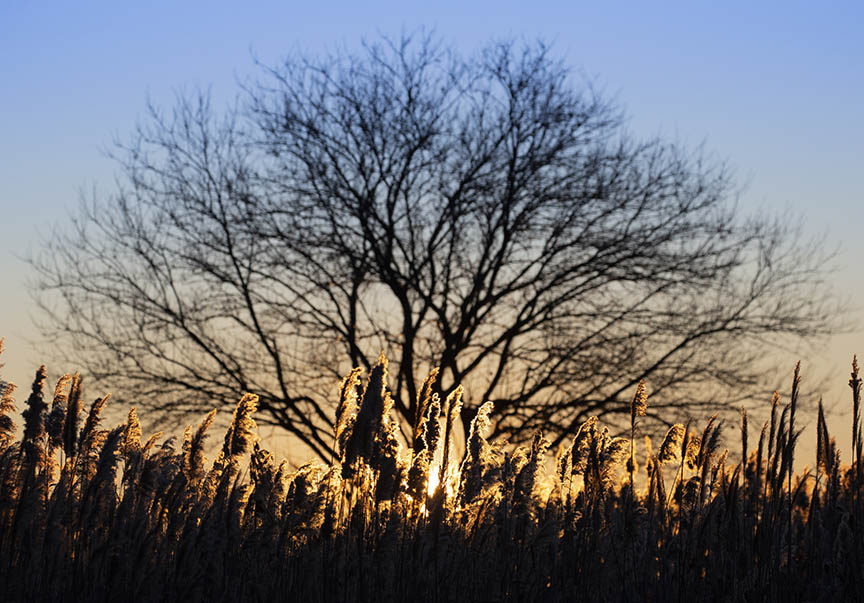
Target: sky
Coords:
[[774, 88]]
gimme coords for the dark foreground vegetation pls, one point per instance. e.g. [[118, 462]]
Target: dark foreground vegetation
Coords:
[[93, 514]]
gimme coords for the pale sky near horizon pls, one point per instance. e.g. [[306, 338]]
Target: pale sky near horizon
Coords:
[[775, 88]]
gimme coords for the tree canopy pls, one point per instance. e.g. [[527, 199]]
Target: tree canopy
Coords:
[[488, 215]]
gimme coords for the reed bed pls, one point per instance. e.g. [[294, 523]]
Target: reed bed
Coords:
[[90, 513]]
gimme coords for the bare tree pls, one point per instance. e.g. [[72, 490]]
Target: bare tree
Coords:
[[486, 215]]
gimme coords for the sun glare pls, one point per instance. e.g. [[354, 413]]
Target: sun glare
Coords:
[[434, 480]]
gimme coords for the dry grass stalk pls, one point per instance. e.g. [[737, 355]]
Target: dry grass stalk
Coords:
[[97, 527]]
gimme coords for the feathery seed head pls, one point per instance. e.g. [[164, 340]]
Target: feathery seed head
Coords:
[[454, 401], [55, 419], [34, 413], [691, 456], [241, 433], [431, 426], [132, 435], [73, 410], [671, 446], [193, 449], [372, 415], [579, 448], [7, 410], [639, 404], [616, 450], [91, 425], [347, 407], [424, 399]]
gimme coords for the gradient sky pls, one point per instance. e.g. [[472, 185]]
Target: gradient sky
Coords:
[[776, 88]]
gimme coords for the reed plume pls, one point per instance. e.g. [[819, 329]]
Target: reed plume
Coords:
[[164, 524]]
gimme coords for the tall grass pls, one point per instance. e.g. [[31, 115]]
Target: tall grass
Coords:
[[90, 513]]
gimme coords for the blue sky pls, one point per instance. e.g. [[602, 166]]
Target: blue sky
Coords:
[[775, 88]]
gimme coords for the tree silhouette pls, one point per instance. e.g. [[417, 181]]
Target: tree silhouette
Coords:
[[487, 215]]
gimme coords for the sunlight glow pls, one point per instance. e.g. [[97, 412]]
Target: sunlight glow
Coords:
[[434, 480]]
